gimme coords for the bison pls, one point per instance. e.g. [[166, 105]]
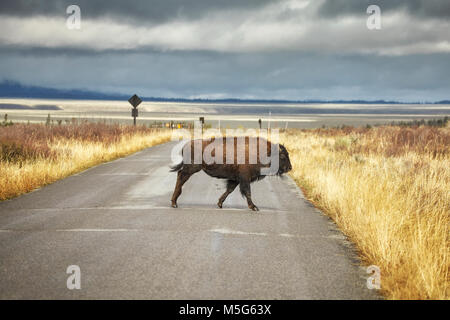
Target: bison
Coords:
[[239, 160]]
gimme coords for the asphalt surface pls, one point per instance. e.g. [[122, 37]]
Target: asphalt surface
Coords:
[[115, 222]]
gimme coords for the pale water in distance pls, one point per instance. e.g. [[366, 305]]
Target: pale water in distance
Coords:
[[230, 115]]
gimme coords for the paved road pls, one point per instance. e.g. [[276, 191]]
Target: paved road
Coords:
[[115, 222]]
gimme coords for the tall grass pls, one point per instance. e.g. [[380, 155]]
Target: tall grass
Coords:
[[388, 189], [33, 155]]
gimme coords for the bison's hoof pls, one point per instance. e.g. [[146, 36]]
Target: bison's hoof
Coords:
[[254, 208], [219, 205], [174, 205]]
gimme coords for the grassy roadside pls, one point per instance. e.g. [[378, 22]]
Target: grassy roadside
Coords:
[[388, 189], [33, 155]]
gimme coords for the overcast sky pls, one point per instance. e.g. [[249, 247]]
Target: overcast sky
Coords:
[[263, 49]]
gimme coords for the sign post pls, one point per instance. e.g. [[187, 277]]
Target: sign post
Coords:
[[134, 101]]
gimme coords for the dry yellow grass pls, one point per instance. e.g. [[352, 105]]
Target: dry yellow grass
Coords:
[[68, 156], [388, 189]]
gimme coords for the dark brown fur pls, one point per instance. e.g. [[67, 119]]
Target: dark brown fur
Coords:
[[235, 173]]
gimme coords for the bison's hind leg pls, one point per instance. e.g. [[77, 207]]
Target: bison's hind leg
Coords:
[[183, 175], [231, 185]]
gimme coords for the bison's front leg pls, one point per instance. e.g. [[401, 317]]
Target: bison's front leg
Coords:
[[231, 185], [245, 190]]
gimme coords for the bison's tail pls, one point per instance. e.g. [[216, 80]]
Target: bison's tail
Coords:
[[176, 167]]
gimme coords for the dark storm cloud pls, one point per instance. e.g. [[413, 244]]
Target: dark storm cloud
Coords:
[[141, 10], [421, 8], [163, 10], [225, 26]]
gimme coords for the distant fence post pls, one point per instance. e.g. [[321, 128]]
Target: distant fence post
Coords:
[[202, 121]]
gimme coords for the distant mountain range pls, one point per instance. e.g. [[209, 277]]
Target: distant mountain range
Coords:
[[12, 89]]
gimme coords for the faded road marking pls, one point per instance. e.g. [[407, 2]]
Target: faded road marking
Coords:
[[228, 231], [285, 235], [69, 230], [96, 230]]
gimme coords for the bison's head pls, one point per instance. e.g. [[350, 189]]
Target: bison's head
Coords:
[[285, 162]]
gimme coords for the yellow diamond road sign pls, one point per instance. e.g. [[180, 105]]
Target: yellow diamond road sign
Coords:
[[135, 101]]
